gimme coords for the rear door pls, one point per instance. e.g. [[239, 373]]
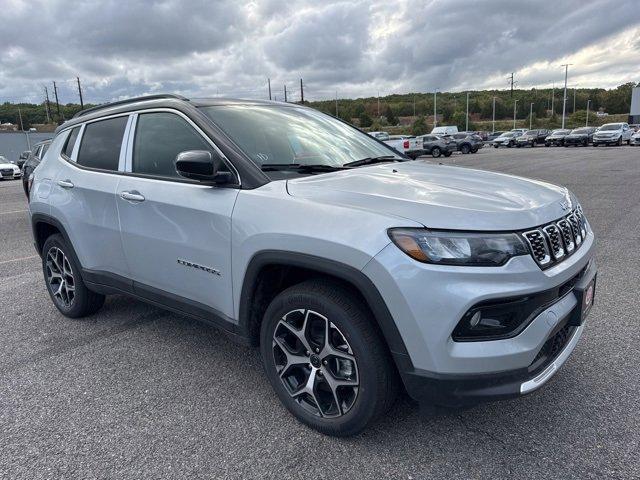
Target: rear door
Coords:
[[84, 194], [176, 233]]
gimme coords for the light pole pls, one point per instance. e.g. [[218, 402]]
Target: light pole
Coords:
[[493, 117], [515, 107], [586, 123], [435, 110], [564, 97], [530, 115], [466, 129], [553, 97]]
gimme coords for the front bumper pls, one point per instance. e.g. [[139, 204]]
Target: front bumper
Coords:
[[605, 139], [428, 301], [576, 140], [10, 177], [635, 140]]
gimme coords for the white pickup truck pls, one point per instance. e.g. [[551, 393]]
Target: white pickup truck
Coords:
[[404, 143]]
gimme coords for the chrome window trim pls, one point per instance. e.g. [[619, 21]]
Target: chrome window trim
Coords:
[[129, 161]]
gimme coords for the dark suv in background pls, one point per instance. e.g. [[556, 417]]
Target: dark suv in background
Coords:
[[436, 145], [467, 142], [31, 162], [580, 136], [532, 138], [557, 137]]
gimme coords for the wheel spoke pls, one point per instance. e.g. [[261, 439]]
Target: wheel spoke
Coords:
[[292, 358], [298, 333]]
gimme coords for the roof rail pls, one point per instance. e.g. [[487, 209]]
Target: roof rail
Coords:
[[129, 100]]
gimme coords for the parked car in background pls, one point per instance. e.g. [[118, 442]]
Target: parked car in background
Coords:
[[405, 144], [532, 138], [557, 137], [493, 135], [467, 143], [507, 139], [445, 130], [8, 170], [382, 136], [613, 134], [520, 131], [35, 156], [436, 145], [22, 158], [300, 235], [635, 138], [580, 136]]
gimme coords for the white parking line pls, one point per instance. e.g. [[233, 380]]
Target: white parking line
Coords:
[[13, 211], [18, 259]]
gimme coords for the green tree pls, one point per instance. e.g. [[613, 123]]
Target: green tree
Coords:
[[419, 127], [459, 119], [391, 118], [365, 120]]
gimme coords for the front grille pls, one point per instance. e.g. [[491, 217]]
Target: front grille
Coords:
[[552, 348], [7, 171], [555, 241]]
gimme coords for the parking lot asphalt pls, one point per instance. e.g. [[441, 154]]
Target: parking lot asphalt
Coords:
[[138, 392]]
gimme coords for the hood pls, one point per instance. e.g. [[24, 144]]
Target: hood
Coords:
[[9, 165], [439, 196]]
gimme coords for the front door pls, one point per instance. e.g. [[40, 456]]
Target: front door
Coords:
[[176, 234]]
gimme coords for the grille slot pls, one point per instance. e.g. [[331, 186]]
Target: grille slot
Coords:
[[553, 242], [538, 245]]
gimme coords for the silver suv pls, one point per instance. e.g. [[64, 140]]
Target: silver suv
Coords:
[[354, 269]]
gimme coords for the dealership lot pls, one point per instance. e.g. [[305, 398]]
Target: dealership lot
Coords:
[[138, 392]]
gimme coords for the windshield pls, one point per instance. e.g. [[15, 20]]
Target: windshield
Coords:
[[291, 135], [580, 130], [510, 134], [560, 132], [611, 126], [532, 132]]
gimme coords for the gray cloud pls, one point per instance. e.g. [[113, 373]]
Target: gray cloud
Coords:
[[203, 48]]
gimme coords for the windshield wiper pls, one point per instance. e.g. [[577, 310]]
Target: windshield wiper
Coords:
[[372, 160], [298, 167]]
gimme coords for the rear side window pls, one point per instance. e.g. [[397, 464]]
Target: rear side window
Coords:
[[101, 142], [70, 143], [45, 147], [160, 137]]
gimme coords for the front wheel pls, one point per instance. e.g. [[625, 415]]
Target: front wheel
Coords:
[[620, 141], [435, 152], [325, 360], [465, 149]]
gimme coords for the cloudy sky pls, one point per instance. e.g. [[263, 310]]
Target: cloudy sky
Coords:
[[122, 48]]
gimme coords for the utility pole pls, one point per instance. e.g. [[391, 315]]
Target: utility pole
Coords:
[[493, 117], [20, 117], [336, 103], [269, 83], [285, 94], [586, 124], [55, 93], [466, 128], [512, 83], [574, 100], [301, 92], [46, 104], [378, 104], [515, 109], [530, 116], [564, 97], [26, 134], [80, 92], [435, 108], [553, 97]]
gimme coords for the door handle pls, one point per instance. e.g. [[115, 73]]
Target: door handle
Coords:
[[132, 196], [65, 183]]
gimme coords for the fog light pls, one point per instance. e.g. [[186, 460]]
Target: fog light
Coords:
[[475, 319]]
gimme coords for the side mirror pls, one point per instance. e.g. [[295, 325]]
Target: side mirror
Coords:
[[203, 166]]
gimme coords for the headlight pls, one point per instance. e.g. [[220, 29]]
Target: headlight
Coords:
[[458, 248]]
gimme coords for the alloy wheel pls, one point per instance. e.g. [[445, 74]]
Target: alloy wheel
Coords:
[[315, 363], [60, 277]]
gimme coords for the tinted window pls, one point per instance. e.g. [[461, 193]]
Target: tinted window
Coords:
[[71, 141], [160, 137], [101, 141]]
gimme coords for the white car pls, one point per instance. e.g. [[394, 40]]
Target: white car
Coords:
[[382, 136], [8, 169], [445, 130], [613, 133], [635, 138], [404, 143]]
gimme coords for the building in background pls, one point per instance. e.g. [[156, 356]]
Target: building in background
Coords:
[[634, 113]]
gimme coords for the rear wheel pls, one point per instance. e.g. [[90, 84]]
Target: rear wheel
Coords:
[[325, 360], [620, 141], [435, 152], [547, 144], [465, 148], [448, 153], [64, 283]]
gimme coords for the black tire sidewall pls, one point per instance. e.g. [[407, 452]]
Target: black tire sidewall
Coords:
[[365, 405], [435, 152]]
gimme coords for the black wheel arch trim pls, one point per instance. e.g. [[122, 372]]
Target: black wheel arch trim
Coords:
[[333, 268]]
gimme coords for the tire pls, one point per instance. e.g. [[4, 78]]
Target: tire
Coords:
[[435, 152], [464, 148], [629, 142], [619, 141], [474, 150], [547, 144], [447, 153], [518, 145], [60, 269], [496, 146], [324, 307], [510, 144], [595, 144], [533, 144]]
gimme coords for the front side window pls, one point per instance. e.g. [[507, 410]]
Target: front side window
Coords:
[[70, 143], [291, 135], [101, 142], [160, 137]]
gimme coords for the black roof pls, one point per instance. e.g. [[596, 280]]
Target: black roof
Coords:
[[160, 100]]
